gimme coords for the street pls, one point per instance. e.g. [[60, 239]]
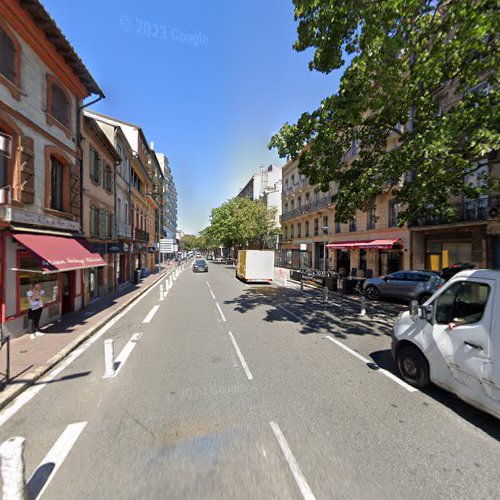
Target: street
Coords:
[[224, 390]]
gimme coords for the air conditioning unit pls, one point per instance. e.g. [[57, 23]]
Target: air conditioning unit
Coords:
[[6, 195]]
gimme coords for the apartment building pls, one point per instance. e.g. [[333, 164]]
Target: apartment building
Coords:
[[43, 83], [169, 198], [371, 243], [98, 209]]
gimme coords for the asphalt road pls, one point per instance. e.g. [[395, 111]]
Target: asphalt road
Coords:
[[235, 391]]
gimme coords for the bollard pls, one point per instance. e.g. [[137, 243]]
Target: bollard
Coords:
[[284, 281], [109, 359], [170, 281], [301, 285], [363, 306], [162, 296], [325, 294], [13, 469]]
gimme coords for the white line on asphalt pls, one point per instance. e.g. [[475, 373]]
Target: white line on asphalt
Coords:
[[241, 282], [30, 393], [242, 359], [212, 293], [48, 467], [220, 312], [208, 284], [307, 494], [150, 314], [383, 371], [125, 353], [290, 313]]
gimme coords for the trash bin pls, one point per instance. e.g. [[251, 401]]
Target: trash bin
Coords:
[[350, 286], [331, 283], [144, 272], [137, 276]]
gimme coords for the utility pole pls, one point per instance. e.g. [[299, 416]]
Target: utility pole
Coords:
[[325, 289]]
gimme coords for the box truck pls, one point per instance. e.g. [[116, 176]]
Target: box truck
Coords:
[[255, 265]]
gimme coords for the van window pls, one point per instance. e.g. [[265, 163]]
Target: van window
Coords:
[[464, 301]]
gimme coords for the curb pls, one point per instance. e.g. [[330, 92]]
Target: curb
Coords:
[[12, 392]]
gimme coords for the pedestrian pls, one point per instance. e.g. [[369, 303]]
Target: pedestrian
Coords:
[[36, 308]]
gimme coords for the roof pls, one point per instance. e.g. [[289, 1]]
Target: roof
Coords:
[[54, 34], [92, 124], [489, 274]]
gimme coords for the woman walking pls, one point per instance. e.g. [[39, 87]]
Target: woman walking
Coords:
[[36, 308]]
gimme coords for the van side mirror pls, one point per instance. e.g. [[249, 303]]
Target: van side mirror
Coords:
[[428, 312]]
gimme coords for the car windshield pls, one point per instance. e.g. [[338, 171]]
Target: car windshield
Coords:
[[200, 263]]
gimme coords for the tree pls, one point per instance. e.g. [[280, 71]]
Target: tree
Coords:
[[425, 71], [188, 242], [241, 222]]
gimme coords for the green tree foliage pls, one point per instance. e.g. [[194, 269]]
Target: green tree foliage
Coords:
[[188, 242], [413, 68], [241, 222]]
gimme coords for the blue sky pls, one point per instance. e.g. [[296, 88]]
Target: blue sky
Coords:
[[209, 83]]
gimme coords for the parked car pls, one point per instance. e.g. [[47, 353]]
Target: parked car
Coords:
[[200, 266], [448, 272], [453, 340], [404, 285]]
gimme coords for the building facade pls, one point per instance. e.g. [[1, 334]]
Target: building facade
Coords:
[[371, 244], [169, 198], [98, 209], [42, 86]]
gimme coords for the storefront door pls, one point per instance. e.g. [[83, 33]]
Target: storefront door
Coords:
[[68, 285], [93, 283]]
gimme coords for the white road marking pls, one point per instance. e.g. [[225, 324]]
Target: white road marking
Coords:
[[30, 393], [383, 371], [208, 284], [241, 282], [212, 293], [55, 457], [125, 353], [150, 314], [240, 356], [292, 314], [307, 494], [220, 312]]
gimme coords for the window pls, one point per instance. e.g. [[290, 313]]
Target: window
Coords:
[[56, 184], [316, 196], [397, 276], [463, 302], [108, 177], [316, 227], [92, 220], [59, 105], [119, 210], [370, 219], [299, 230], [292, 205], [291, 232], [95, 167], [293, 180], [307, 199], [8, 56], [352, 225], [393, 214], [286, 207], [337, 227], [325, 222], [5, 155], [299, 202], [307, 228]]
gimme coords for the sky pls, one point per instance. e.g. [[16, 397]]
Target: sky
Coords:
[[209, 82]]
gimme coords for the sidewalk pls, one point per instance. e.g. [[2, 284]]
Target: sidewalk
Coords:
[[31, 358]]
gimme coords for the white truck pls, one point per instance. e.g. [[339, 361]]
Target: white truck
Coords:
[[453, 340], [255, 266]]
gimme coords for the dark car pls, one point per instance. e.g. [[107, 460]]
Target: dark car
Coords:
[[200, 266], [448, 272], [404, 285]]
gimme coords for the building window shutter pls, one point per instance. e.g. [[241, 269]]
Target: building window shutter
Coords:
[[99, 170], [27, 170]]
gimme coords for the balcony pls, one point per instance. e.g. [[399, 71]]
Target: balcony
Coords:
[[306, 209], [123, 230], [295, 187], [140, 235], [481, 209]]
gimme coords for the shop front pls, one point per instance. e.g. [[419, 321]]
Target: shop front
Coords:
[[56, 263], [367, 258], [294, 256]]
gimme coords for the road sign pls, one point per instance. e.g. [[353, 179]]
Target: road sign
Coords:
[[167, 245]]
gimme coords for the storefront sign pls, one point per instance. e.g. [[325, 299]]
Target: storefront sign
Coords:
[[303, 247], [13, 215]]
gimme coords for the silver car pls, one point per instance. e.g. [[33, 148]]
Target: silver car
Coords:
[[404, 285]]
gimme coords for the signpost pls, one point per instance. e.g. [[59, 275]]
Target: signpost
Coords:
[[167, 245]]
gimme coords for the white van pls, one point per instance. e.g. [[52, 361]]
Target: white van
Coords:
[[453, 340]]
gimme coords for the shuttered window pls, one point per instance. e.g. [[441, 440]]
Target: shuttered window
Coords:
[[59, 104], [7, 56], [56, 184]]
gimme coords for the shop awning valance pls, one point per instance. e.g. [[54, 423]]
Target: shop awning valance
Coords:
[[365, 244], [58, 253]]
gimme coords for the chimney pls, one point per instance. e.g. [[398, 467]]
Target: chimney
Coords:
[[152, 146]]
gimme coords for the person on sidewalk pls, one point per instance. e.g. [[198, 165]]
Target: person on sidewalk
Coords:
[[36, 308]]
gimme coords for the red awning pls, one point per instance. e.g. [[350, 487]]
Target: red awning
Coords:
[[366, 244], [58, 253]]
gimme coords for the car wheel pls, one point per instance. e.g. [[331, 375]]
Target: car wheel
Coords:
[[373, 293], [423, 298], [413, 366]]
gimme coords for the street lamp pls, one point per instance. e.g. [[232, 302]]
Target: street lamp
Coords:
[[325, 289]]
